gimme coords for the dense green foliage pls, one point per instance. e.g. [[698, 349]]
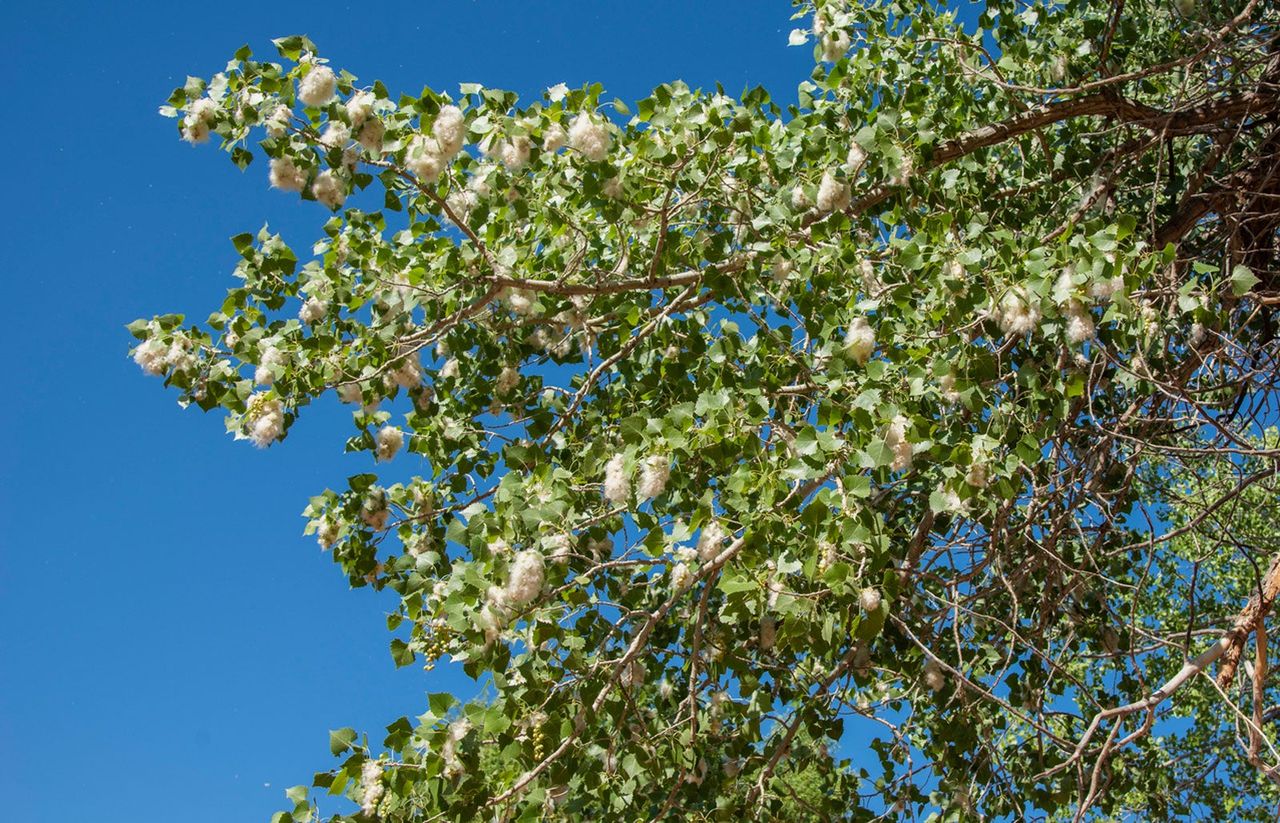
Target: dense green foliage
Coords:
[[777, 462]]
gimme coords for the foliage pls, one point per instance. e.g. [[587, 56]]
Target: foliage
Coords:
[[780, 457]]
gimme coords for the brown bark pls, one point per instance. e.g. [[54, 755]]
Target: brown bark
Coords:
[[1248, 620]]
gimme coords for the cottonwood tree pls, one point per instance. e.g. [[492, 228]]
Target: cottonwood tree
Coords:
[[826, 460]]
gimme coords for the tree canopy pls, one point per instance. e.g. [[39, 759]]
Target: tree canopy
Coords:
[[899, 451]]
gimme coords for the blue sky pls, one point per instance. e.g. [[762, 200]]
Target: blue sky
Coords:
[[172, 646]]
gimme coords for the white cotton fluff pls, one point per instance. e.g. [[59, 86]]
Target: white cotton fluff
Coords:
[[374, 511], [835, 44], [150, 356], [600, 547], [461, 203], [407, 375], [782, 269], [710, 541], [179, 355], [528, 573], [949, 501], [371, 778], [206, 108], [318, 87], [1018, 313], [861, 660], [553, 138], [514, 152], [976, 476], [947, 388], [360, 107], [1058, 68], [827, 555], [329, 190], [479, 181], [895, 439], [520, 300], [450, 130], [199, 120], [376, 519], [871, 284], [278, 123], [799, 199], [1105, 288], [699, 773], [557, 92], [313, 310], [560, 547], [350, 393], [860, 340], [1064, 287], [336, 134], [371, 134], [490, 621], [654, 473], [286, 176], [773, 585], [681, 576], [266, 420], [327, 533], [612, 187], [389, 441], [906, 169], [934, 677], [425, 158], [869, 599], [589, 137], [271, 356], [857, 158], [768, 632], [617, 484], [1079, 323], [833, 195], [450, 369], [632, 674], [453, 765], [507, 380]]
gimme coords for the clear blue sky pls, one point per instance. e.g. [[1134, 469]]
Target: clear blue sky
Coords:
[[171, 646]]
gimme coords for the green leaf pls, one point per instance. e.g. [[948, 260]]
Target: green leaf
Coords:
[[401, 653], [340, 740], [732, 582], [1242, 280], [241, 157], [291, 47], [441, 702]]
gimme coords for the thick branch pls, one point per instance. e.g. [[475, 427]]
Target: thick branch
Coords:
[[1248, 620]]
